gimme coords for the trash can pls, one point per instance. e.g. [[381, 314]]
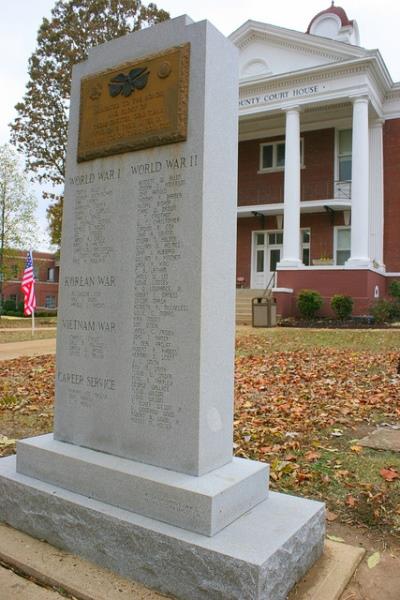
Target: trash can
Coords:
[[263, 312]]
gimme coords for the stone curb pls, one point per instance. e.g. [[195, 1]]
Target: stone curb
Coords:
[[326, 580], [57, 568], [329, 576]]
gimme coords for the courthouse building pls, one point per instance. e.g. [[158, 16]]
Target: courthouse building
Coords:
[[319, 163], [319, 169]]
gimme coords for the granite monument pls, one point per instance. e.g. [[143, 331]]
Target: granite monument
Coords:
[[139, 474]]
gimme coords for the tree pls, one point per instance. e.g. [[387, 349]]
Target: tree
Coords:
[[17, 208], [40, 129]]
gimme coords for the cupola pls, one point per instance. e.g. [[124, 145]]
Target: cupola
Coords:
[[334, 23]]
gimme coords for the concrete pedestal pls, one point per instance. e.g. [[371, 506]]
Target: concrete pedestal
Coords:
[[203, 504], [261, 555]]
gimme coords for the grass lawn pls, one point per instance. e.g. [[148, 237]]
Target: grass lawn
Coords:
[[303, 399], [24, 322], [24, 336]]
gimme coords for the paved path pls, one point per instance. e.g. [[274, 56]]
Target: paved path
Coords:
[[14, 587], [29, 348]]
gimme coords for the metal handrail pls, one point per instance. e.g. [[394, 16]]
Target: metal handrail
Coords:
[[342, 187], [270, 285]]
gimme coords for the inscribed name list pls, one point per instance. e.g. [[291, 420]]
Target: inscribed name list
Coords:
[[135, 105]]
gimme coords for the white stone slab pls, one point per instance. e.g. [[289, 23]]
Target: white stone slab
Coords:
[[203, 504], [258, 557], [146, 313]]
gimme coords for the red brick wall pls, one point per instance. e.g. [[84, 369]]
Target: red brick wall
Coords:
[[359, 284], [320, 225], [391, 174], [245, 227], [265, 188], [42, 261]]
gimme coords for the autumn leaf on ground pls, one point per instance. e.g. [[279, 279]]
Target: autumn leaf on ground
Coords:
[[312, 455], [331, 516], [356, 449], [334, 538], [389, 474], [351, 501], [5, 441], [373, 560]]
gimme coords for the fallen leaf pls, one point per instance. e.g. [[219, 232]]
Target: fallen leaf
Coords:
[[389, 474], [337, 432], [373, 560], [331, 516], [312, 455], [5, 441], [351, 501], [334, 538], [356, 449]]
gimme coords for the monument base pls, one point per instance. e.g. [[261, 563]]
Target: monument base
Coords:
[[261, 555], [204, 504]]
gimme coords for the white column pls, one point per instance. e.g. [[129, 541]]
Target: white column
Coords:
[[376, 191], [291, 210], [359, 256]]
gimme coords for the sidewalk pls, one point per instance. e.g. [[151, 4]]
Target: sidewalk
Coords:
[[30, 348]]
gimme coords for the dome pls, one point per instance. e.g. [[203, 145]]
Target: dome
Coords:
[[334, 23]]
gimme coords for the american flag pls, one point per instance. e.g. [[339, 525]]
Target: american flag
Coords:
[[28, 286]]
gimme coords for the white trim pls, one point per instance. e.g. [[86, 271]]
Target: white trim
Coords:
[[256, 29], [247, 210], [283, 290], [336, 268], [336, 228], [275, 145], [341, 122], [266, 247]]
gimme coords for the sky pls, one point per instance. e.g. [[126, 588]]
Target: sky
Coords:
[[378, 24]]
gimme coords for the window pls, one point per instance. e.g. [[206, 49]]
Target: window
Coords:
[[14, 271], [305, 238], [345, 154], [343, 244], [50, 302], [51, 274], [272, 156], [275, 238], [260, 252], [36, 272]]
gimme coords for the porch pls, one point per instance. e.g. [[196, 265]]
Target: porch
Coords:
[[364, 286]]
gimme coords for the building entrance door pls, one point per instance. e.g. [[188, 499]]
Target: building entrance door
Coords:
[[267, 249]]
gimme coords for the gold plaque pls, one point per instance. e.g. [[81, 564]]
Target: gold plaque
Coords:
[[136, 105]]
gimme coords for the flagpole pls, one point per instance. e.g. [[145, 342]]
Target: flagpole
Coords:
[[33, 322]]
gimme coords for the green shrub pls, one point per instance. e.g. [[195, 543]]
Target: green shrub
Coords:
[[382, 311], [342, 306], [9, 305], [394, 289], [308, 303]]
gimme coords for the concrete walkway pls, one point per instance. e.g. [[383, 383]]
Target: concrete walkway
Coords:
[[30, 348], [14, 587]]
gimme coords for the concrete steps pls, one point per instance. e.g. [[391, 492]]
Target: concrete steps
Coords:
[[243, 304]]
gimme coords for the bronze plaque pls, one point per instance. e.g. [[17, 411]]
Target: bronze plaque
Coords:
[[136, 105]]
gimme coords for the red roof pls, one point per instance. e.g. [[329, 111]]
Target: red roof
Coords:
[[333, 10]]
